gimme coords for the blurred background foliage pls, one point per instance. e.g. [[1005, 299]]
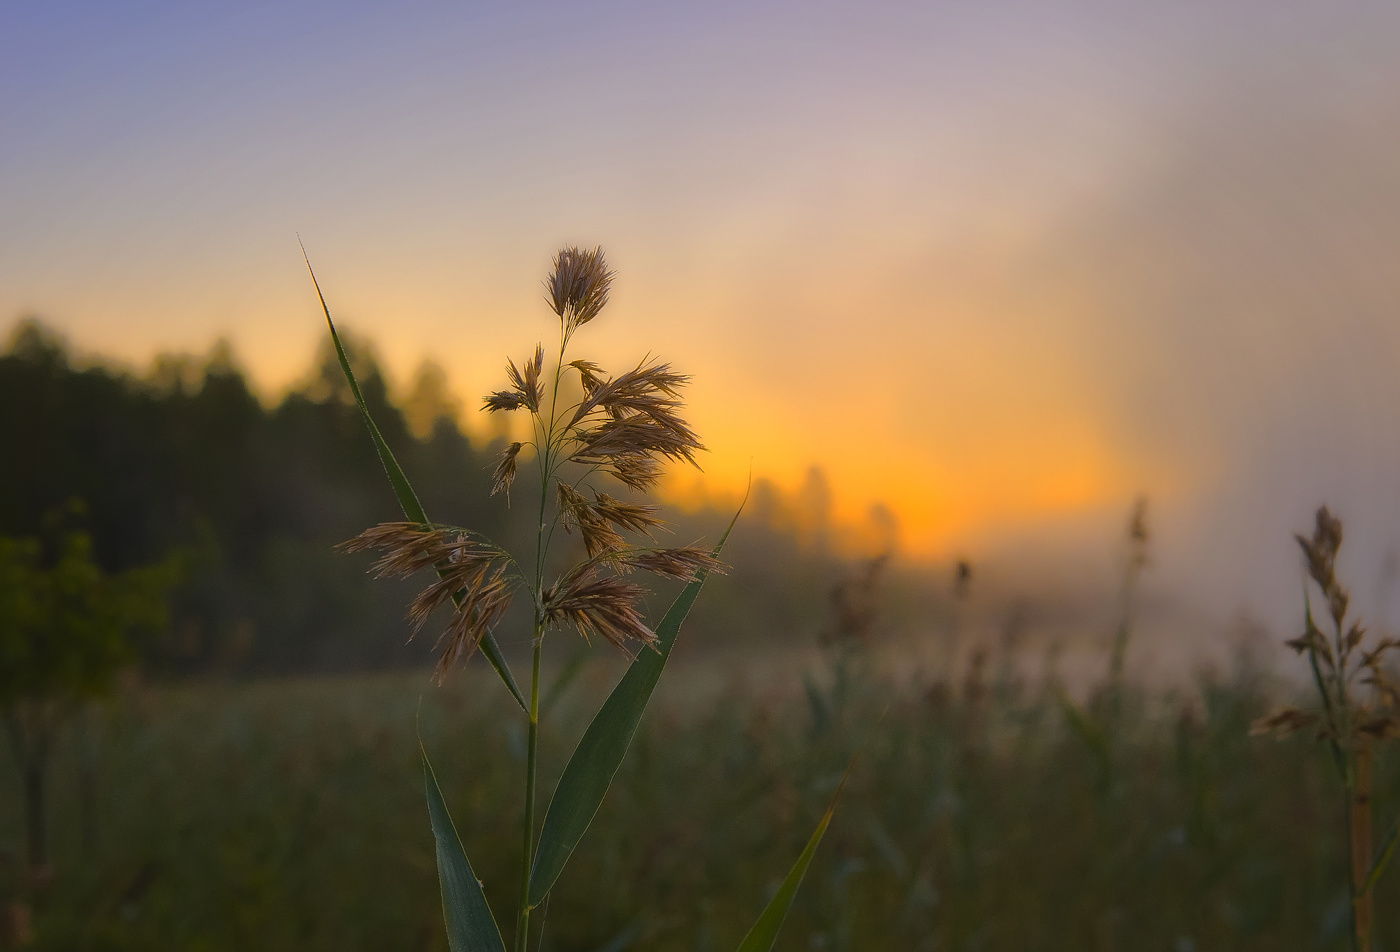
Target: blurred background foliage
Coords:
[[288, 814]]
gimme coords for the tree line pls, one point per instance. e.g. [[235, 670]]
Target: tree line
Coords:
[[185, 463], [252, 499]]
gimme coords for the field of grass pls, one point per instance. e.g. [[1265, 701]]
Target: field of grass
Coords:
[[290, 815]]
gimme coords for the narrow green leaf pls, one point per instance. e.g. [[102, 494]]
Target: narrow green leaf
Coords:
[[599, 753], [492, 650], [408, 499], [765, 931], [470, 925], [1387, 850]]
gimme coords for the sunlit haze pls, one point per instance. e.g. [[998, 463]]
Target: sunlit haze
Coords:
[[1000, 267]]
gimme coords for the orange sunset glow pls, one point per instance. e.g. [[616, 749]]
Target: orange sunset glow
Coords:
[[994, 268]]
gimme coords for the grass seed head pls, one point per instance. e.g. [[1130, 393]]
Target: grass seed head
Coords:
[[1284, 722], [1321, 554], [644, 388], [469, 572], [639, 473], [687, 563], [590, 375], [625, 426], [482, 606], [578, 286], [598, 605], [576, 512], [525, 383], [629, 516], [407, 546], [504, 473], [635, 436], [1138, 535], [628, 423], [502, 400]]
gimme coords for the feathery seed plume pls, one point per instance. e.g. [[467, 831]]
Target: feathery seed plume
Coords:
[[502, 400], [627, 516], [598, 605], [577, 513], [687, 563], [525, 382], [504, 473], [578, 287], [464, 568], [480, 610], [639, 473], [408, 547]]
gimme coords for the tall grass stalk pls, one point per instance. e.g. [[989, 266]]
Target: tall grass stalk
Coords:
[[1137, 561], [1100, 724], [623, 427], [1358, 705]]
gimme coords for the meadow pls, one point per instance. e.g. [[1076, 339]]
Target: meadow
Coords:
[[288, 814]]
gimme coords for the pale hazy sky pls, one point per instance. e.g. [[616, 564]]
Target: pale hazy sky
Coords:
[[1003, 265]]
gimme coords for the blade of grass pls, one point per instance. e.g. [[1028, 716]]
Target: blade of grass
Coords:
[[765, 931], [599, 753], [470, 925], [492, 650], [408, 499], [1392, 840]]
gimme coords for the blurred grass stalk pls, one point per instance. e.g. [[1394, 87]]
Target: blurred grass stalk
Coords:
[[1349, 719], [1100, 723]]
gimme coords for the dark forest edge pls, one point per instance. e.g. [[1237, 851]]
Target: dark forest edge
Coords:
[[186, 461]]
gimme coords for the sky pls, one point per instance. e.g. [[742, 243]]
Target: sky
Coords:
[[1001, 266]]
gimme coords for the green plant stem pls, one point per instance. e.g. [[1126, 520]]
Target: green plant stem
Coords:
[[531, 758], [546, 460], [1338, 757]]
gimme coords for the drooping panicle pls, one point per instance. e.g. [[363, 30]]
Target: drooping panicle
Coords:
[[407, 547], [578, 286], [469, 572], [634, 436], [629, 516], [504, 473], [484, 606], [626, 426], [598, 605], [639, 473], [687, 563], [577, 513], [459, 577]]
